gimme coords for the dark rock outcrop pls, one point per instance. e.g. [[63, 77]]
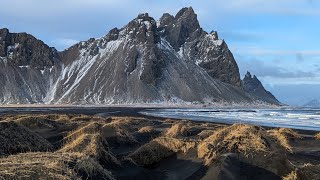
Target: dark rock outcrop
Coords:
[[185, 35], [22, 49], [27, 68], [254, 88]]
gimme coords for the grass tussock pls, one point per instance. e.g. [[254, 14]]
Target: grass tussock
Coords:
[[307, 171], [158, 149], [89, 142], [15, 138], [317, 136], [237, 138], [291, 176], [51, 166], [205, 133], [179, 129], [90, 128], [146, 129], [283, 136], [40, 121], [115, 133], [253, 145]]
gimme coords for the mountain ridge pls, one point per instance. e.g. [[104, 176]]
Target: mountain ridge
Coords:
[[172, 60]]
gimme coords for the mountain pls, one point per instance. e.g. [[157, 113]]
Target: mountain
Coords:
[[253, 86], [147, 61], [312, 103], [27, 66]]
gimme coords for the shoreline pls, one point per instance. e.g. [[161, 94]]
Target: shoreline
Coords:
[[133, 111], [149, 105]]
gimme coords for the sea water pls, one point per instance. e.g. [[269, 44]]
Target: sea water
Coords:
[[296, 118]]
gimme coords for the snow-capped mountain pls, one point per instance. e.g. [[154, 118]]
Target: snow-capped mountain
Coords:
[[169, 60]]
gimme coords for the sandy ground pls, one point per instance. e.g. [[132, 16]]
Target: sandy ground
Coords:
[[122, 144]]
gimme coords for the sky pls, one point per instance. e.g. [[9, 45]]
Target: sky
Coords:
[[277, 40]]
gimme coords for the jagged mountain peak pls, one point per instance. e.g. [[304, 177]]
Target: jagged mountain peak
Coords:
[[214, 35], [3, 32], [186, 12], [22, 49], [253, 86], [165, 20], [248, 75], [252, 80], [181, 27], [144, 17]]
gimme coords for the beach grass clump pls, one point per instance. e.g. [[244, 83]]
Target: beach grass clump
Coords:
[[205, 133], [237, 138], [15, 138], [283, 136], [52, 166], [115, 133], [307, 171], [88, 141], [317, 136], [87, 128], [160, 148], [39, 122], [146, 129], [291, 176], [176, 130]]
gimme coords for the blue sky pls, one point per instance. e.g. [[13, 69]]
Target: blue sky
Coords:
[[276, 39]]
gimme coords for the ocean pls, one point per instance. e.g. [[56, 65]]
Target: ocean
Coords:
[[295, 118]]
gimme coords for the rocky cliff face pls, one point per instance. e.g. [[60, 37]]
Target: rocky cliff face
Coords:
[[22, 49], [253, 86], [169, 60], [185, 35], [27, 67]]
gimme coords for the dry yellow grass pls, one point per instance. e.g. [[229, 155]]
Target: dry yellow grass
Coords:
[[291, 176], [127, 123], [40, 121], [179, 129], [15, 138], [160, 148], [289, 133], [308, 171], [283, 136], [237, 138], [51, 166], [317, 136], [88, 141], [205, 133], [90, 128], [146, 129], [117, 134]]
